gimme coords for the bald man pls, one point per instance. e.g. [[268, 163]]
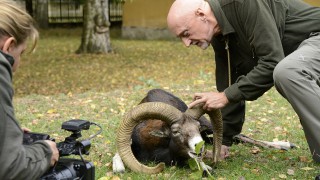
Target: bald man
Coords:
[[257, 44]]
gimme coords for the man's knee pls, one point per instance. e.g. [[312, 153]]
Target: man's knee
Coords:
[[281, 73], [286, 71]]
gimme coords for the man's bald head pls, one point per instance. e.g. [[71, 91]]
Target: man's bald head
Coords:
[[182, 9], [193, 22]]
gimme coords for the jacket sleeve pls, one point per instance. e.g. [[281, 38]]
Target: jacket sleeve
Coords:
[[260, 29], [20, 161], [17, 161]]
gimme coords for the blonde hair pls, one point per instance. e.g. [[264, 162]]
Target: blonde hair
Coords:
[[17, 23]]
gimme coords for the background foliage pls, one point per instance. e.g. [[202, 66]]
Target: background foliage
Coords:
[[54, 85]]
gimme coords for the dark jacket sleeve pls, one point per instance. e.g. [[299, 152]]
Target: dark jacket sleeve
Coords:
[[260, 29], [17, 161]]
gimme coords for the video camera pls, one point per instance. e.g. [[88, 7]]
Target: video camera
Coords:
[[69, 168]]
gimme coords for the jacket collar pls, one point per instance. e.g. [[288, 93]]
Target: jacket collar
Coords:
[[8, 57], [223, 22]]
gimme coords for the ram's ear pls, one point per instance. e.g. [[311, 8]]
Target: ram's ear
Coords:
[[205, 125], [161, 134], [203, 128]]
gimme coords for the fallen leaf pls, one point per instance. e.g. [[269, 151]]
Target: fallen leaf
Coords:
[[278, 128], [307, 168], [51, 111], [103, 178], [221, 178], [282, 176], [255, 171], [255, 150], [198, 82], [167, 175], [290, 172], [109, 174], [35, 122], [303, 158], [108, 164], [115, 178], [39, 115]]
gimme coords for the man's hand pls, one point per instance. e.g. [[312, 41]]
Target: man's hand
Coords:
[[55, 152], [25, 130], [212, 100]]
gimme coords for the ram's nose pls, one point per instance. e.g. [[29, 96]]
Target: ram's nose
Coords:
[[193, 142]]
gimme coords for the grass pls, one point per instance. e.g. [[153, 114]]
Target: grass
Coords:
[[54, 85]]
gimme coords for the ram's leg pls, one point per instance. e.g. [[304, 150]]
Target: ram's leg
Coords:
[[266, 144], [117, 164]]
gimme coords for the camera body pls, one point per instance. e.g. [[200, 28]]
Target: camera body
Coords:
[[68, 168]]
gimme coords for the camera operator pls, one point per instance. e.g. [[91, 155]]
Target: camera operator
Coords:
[[18, 161]]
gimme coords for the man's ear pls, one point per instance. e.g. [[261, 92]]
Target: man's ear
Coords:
[[8, 44], [200, 13]]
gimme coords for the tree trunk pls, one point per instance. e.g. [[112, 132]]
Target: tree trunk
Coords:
[[95, 33], [29, 7], [42, 14]]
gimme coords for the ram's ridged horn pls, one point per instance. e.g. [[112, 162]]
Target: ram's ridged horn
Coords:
[[216, 119], [144, 111], [196, 111], [217, 123]]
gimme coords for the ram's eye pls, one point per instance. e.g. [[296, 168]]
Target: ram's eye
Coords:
[[175, 132]]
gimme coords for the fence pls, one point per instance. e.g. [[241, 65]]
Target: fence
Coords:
[[65, 11], [71, 11]]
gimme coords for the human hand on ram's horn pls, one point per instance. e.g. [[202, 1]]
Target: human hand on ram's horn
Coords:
[[204, 100], [211, 100]]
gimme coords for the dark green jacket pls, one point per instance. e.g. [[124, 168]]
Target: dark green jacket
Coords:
[[260, 33], [16, 160]]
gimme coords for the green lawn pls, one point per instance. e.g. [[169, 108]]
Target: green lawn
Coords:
[[54, 85]]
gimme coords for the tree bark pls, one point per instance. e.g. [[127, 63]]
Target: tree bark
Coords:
[[42, 14], [29, 7], [95, 34]]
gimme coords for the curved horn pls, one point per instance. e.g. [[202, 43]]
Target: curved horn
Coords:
[[149, 110], [196, 111], [216, 120], [217, 124]]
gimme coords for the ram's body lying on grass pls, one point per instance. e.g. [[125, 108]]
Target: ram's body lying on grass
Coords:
[[158, 141], [163, 129], [168, 132]]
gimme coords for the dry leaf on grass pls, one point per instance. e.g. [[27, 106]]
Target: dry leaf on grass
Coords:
[[290, 172], [255, 150], [303, 159], [282, 176], [307, 168]]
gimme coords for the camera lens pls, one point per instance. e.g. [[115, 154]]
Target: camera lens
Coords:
[[65, 171]]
